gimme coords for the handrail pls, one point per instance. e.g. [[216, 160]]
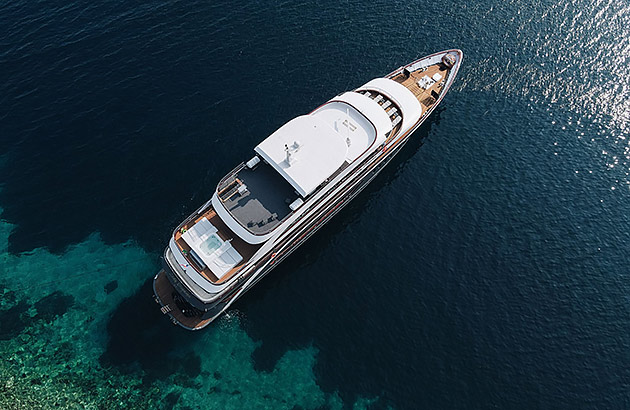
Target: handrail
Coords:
[[230, 174]]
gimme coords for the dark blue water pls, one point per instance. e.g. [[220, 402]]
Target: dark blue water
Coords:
[[487, 267]]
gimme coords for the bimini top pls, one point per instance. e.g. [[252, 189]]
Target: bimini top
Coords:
[[399, 94], [305, 151]]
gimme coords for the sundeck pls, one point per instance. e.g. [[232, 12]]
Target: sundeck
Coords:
[[256, 198], [297, 179]]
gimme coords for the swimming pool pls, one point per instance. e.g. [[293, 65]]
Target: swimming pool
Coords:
[[210, 245]]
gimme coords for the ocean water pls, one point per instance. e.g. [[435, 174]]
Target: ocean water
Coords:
[[487, 267]]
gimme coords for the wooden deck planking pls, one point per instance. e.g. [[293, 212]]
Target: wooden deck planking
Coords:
[[423, 96], [164, 291]]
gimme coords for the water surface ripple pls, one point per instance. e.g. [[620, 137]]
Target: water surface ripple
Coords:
[[486, 267]]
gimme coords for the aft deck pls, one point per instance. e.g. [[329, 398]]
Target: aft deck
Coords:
[[172, 304], [245, 249]]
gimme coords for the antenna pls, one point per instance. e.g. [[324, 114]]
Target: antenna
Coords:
[[290, 151]]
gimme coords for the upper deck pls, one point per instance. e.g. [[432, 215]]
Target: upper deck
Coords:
[[295, 161], [258, 197]]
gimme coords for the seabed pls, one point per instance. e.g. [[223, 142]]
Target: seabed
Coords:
[[62, 348]]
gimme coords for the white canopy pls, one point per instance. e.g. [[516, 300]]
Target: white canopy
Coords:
[[398, 93], [316, 151]]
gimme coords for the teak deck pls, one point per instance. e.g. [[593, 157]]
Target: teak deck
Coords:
[[164, 290], [424, 96]]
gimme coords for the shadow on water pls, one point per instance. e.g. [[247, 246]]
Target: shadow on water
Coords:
[[140, 337], [267, 308], [139, 333]]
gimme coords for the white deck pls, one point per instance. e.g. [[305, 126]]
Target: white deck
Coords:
[[317, 151], [368, 123], [309, 149], [351, 126]]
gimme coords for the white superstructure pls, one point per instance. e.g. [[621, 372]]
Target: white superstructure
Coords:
[[401, 96], [305, 151]]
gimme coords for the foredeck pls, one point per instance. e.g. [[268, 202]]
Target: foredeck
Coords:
[[245, 249], [429, 96]]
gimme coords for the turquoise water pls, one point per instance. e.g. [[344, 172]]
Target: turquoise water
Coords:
[[487, 267], [54, 311]]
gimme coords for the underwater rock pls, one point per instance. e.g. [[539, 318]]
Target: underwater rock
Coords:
[[54, 305], [214, 389], [191, 365], [64, 353], [111, 286], [12, 321], [182, 380], [7, 297], [171, 400]]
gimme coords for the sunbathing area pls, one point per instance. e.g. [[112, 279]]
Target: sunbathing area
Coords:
[[209, 245]]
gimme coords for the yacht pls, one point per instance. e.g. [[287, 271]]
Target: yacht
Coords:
[[298, 178]]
